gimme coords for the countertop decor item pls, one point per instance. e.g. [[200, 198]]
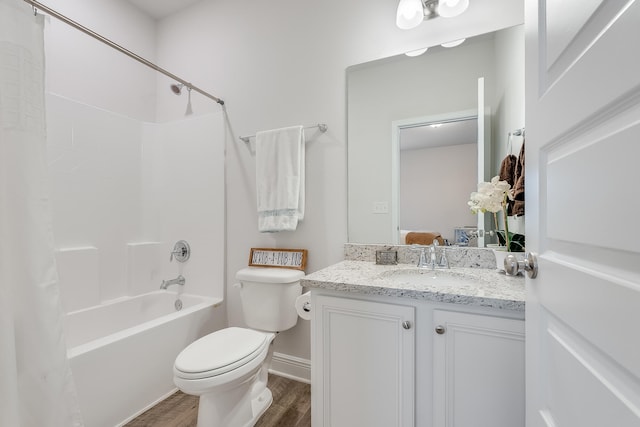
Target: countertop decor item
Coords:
[[283, 258], [492, 197]]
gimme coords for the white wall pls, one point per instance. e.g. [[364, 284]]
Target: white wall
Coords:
[[281, 63], [509, 112], [435, 188], [80, 68]]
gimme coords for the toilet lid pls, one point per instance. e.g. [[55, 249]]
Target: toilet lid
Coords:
[[220, 352]]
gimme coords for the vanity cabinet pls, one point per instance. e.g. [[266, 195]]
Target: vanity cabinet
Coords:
[[387, 361], [478, 370], [363, 370]]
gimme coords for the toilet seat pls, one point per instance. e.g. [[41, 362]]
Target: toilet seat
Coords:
[[220, 352]]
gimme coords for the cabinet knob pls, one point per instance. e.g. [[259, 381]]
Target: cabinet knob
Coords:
[[440, 330], [406, 324]]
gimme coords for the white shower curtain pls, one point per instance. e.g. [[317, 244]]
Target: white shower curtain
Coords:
[[36, 387]]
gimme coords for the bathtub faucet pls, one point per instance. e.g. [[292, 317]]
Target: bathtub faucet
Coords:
[[177, 281]]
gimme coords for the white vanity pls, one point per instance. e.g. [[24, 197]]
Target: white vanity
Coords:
[[394, 346]]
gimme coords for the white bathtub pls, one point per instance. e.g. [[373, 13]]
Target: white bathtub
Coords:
[[122, 352]]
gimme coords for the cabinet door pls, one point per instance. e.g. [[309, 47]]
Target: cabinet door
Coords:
[[363, 363], [479, 371]]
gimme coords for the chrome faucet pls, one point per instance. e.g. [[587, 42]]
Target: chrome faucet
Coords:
[[432, 254], [443, 262], [177, 281], [422, 260]]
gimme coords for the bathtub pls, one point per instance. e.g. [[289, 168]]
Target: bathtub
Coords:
[[122, 352]]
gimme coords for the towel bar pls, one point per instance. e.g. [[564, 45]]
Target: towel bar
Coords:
[[321, 126]]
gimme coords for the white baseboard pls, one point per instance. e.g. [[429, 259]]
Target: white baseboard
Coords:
[[291, 367]]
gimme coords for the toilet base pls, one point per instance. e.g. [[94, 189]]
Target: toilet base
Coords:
[[233, 409], [260, 404]]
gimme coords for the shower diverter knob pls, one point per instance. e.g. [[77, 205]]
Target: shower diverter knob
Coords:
[[181, 251]]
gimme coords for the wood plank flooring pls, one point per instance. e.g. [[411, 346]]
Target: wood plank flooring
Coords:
[[291, 407]]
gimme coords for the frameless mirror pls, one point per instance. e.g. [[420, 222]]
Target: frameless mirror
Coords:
[[391, 190]]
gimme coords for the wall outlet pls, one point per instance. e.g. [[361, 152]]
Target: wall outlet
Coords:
[[380, 207]]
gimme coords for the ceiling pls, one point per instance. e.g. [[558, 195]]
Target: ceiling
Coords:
[[429, 136], [159, 9]]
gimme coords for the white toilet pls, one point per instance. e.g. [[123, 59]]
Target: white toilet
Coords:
[[228, 369]]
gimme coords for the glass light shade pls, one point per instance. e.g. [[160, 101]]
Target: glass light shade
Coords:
[[416, 52], [409, 14], [453, 43], [451, 8]]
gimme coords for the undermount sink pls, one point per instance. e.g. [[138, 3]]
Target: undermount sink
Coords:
[[437, 277]]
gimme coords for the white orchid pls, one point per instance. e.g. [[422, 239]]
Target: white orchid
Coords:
[[490, 196]]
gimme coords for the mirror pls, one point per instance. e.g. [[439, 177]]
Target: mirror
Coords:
[[442, 83], [429, 150]]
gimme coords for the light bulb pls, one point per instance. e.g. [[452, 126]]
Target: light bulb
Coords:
[[451, 8], [409, 14]]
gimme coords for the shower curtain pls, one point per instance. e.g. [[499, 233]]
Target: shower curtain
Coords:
[[36, 387]]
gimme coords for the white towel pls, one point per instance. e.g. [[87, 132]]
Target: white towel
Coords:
[[280, 178]]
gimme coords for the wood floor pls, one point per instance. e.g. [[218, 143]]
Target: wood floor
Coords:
[[291, 407]]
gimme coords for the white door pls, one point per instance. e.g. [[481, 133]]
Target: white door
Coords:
[[582, 212]]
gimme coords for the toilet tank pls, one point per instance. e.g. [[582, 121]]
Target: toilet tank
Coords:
[[268, 297]]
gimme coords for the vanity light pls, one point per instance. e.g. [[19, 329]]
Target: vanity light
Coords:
[[416, 52], [451, 8], [453, 43], [411, 13]]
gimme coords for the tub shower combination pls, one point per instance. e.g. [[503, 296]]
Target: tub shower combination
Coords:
[[122, 353]]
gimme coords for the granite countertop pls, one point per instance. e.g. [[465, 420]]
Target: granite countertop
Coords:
[[488, 287]]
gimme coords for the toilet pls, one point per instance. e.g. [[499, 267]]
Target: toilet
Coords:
[[228, 368]]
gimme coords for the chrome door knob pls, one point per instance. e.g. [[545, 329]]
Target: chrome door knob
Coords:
[[513, 266], [440, 330], [406, 324]]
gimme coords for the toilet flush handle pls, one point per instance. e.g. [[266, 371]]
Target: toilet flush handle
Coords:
[[237, 285]]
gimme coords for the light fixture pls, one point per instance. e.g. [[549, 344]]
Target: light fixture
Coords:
[[453, 43], [451, 8], [416, 52], [411, 13]]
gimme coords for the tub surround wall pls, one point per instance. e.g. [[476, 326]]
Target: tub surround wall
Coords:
[[123, 192]]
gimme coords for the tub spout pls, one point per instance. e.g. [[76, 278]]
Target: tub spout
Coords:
[[177, 281]]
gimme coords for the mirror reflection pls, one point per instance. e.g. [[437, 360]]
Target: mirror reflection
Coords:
[[444, 154], [388, 196]]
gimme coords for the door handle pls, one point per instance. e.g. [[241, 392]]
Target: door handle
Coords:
[[513, 266]]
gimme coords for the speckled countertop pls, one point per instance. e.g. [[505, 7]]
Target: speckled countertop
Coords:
[[486, 287]]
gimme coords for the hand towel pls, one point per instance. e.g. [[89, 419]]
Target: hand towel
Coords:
[[518, 187], [280, 178], [507, 173]]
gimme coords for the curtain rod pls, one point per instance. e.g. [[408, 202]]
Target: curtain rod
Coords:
[[74, 24]]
